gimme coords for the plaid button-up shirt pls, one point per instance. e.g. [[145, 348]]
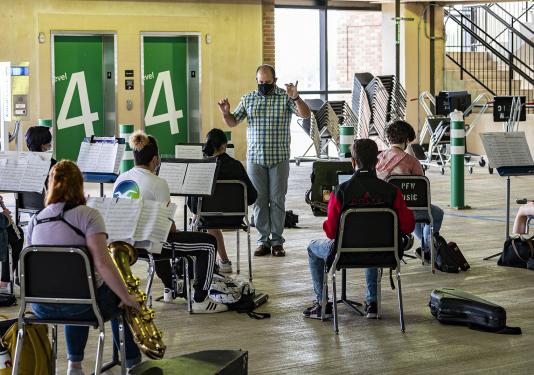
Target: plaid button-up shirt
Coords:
[[268, 131]]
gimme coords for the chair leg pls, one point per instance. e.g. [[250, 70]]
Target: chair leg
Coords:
[[238, 269], [151, 270], [54, 348], [122, 347], [11, 273], [187, 286], [334, 295], [379, 294], [399, 296], [324, 301], [249, 249], [99, 351], [432, 250], [18, 348]]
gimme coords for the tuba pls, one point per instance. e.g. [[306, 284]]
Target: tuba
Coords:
[[141, 322]]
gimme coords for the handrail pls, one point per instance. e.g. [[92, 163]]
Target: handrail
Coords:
[[508, 26], [516, 19]]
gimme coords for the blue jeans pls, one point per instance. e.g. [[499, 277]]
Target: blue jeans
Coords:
[[422, 231], [76, 336], [318, 252], [270, 207]]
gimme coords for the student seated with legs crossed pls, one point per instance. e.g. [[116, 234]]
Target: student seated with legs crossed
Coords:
[[82, 226], [229, 169], [396, 161], [364, 189], [141, 182]]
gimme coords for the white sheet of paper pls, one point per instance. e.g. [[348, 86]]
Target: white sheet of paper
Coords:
[[174, 174], [121, 148], [24, 171], [120, 215], [507, 149], [199, 178], [230, 151], [100, 157], [188, 152]]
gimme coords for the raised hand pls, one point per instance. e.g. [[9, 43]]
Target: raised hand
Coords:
[[224, 106], [292, 90]]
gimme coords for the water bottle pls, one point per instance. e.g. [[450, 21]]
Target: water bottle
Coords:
[[5, 358]]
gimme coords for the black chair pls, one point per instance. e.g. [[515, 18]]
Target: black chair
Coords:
[[61, 275], [227, 208], [28, 203], [367, 238], [416, 192]]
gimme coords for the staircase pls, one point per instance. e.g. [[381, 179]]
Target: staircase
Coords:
[[490, 48]]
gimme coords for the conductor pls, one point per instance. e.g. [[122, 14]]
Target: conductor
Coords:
[[268, 111]]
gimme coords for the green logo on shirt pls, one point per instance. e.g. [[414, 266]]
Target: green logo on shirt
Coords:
[[127, 189]]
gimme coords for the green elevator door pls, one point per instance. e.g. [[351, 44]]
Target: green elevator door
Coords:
[[165, 90], [78, 92]]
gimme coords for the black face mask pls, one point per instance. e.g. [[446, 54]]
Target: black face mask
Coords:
[[265, 88]]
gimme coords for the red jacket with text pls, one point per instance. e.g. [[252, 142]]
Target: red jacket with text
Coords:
[[366, 189]]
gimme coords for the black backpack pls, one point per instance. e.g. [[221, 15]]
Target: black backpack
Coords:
[[449, 258]]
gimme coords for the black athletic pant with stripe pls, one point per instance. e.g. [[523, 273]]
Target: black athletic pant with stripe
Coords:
[[200, 246], [16, 248]]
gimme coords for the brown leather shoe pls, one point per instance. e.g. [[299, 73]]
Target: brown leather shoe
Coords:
[[262, 250], [278, 251]]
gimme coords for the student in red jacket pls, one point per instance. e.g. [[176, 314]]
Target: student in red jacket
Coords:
[[363, 189]]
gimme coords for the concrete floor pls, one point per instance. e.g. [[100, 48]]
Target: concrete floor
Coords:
[[289, 344]]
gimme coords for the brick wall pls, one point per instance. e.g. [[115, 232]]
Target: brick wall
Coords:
[[359, 47], [268, 31]]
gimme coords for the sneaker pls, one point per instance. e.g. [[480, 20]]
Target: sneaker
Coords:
[[224, 267], [262, 250], [167, 295], [75, 371], [314, 311], [208, 306], [371, 311], [426, 254]]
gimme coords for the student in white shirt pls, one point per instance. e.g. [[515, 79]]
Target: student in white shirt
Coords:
[[141, 182]]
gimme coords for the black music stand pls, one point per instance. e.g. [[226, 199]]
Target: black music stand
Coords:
[[510, 155]]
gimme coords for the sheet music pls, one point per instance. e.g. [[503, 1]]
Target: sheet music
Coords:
[[24, 171], [199, 179], [188, 152], [102, 156], [230, 151], [507, 149], [143, 222], [174, 174]]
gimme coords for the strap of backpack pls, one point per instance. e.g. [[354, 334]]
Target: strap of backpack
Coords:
[[517, 252]]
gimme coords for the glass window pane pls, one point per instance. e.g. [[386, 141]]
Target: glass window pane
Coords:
[[354, 46], [297, 47]]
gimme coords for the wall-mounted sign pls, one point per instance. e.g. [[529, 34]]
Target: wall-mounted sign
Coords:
[[129, 84]]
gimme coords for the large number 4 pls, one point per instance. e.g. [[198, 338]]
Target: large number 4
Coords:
[[87, 117], [172, 115]]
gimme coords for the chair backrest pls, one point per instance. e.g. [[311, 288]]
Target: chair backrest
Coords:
[[415, 190], [30, 201], [228, 199], [57, 274], [367, 237]]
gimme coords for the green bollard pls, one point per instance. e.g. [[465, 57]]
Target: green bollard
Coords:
[[457, 159], [44, 122], [127, 161], [346, 139]]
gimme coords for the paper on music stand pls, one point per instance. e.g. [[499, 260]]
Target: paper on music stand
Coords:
[[188, 152], [101, 156], [230, 150], [199, 179], [507, 149], [143, 222], [24, 171], [174, 174]]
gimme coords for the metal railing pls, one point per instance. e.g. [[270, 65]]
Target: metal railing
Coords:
[[493, 45]]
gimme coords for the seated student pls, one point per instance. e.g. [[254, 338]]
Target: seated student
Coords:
[[8, 237], [366, 189], [395, 161], [141, 182], [229, 169], [520, 222], [86, 228]]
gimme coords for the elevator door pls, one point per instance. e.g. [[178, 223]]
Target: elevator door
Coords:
[[170, 86], [84, 90]]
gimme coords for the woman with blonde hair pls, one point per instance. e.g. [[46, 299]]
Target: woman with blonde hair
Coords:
[[66, 220]]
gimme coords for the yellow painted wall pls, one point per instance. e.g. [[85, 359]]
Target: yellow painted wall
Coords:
[[228, 64]]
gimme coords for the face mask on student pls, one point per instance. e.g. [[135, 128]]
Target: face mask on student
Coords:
[[265, 88]]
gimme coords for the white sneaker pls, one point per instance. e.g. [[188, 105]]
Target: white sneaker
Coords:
[[167, 295], [224, 267], [208, 306]]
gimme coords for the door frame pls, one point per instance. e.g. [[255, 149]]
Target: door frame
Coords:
[[164, 34], [53, 34]]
